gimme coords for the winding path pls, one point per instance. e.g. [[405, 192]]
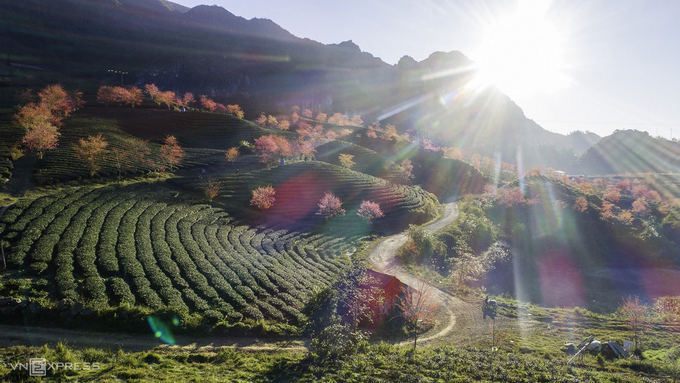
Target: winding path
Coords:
[[383, 258]]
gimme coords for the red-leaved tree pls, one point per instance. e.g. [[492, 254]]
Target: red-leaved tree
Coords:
[[263, 197], [330, 206], [369, 211]]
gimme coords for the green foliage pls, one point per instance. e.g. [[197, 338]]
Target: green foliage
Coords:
[[144, 248]]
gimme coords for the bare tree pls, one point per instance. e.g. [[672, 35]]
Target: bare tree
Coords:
[[418, 307], [635, 312]]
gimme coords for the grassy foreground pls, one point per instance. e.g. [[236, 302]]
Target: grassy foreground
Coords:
[[372, 363]]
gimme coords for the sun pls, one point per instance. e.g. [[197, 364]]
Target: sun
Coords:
[[523, 53]]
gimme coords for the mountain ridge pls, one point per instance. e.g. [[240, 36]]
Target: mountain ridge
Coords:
[[256, 63]]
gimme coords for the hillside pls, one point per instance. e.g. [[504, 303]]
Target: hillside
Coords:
[[261, 66], [630, 151], [565, 257]]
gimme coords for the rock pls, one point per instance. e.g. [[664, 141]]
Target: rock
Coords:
[[14, 302], [6, 311], [77, 307], [64, 304], [4, 301]]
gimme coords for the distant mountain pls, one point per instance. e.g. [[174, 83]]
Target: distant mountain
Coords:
[[263, 67], [630, 151]]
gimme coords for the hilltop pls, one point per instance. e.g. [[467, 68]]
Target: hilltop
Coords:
[[630, 151]]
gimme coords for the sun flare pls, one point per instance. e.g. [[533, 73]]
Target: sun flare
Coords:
[[523, 52]]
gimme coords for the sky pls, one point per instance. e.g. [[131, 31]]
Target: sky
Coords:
[[619, 59]]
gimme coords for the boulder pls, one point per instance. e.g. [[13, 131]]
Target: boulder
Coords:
[[64, 304]]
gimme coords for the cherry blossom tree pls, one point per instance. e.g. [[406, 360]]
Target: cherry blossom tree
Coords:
[[263, 197], [186, 99], [607, 211], [612, 195], [307, 113], [75, 100], [330, 206], [369, 211], [581, 204], [131, 96], [41, 138], [56, 99], [235, 110], [207, 103], [211, 188], [106, 95], [640, 207], [32, 115], [262, 120], [168, 98], [171, 152], [152, 90], [636, 313], [91, 151], [321, 117], [271, 146]]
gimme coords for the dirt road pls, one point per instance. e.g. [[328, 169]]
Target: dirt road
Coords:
[[458, 321]]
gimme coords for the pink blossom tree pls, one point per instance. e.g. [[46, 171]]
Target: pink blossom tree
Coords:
[[263, 197], [330, 206], [41, 138], [369, 211]]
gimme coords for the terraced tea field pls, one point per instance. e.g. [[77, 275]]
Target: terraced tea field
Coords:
[[147, 244], [204, 136], [367, 161], [300, 186]]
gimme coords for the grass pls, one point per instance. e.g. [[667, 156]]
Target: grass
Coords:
[[376, 363]]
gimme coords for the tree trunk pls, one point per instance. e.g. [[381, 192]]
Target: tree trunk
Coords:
[[4, 263]]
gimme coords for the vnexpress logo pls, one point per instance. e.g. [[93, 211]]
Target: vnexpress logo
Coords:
[[40, 366], [37, 367]]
